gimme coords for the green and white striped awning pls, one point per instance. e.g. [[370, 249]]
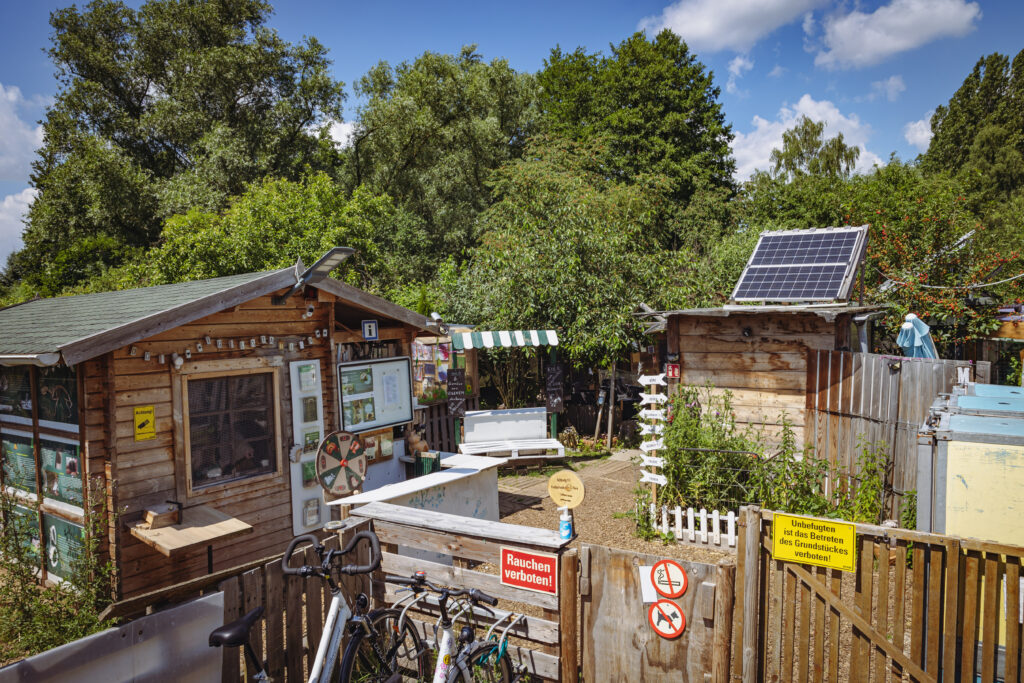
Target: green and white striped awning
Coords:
[[503, 339]]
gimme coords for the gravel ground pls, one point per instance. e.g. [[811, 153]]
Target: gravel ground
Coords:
[[600, 519]]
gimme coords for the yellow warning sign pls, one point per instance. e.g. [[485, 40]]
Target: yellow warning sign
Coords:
[[145, 423], [821, 542]]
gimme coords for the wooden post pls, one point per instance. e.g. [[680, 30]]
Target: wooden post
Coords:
[[751, 585], [611, 406], [567, 608], [725, 580]]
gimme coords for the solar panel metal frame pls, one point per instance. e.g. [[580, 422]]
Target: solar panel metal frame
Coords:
[[843, 291]]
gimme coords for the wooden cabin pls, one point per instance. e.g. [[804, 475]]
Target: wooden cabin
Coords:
[[212, 394], [759, 353]]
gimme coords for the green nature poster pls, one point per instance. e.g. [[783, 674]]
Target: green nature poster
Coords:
[[64, 543], [58, 395], [15, 392], [19, 462], [62, 471]]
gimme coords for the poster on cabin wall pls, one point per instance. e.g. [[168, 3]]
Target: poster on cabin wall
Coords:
[[64, 544], [15, 395], [19, 461], [58, 398], [375, 394], [62, 470]]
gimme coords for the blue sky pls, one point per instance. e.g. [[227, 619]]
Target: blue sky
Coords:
[[873, 70]]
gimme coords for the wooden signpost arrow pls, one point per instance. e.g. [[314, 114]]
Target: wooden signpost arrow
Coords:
[[651, 429], [653, 399], [652, 380], [652, 461], [648, 446]]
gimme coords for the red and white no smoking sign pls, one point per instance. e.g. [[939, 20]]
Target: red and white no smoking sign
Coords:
[[667, 620], [669, 578]]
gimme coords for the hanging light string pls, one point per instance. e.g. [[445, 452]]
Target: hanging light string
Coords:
[[976, 286]]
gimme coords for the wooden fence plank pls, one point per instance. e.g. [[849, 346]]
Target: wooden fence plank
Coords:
[[882, 611], [275, 619], [751, 588], [970, 617], [1012, 619], [934, 608], [803, 655], [833, 652], [293, 651], [899, 604], [818, 672], [773, 650], [567, 614], [252, 584], [230, 669], [862, 601], [951, 607], [990, 615], [788, 624], [315, 610], [725, 581]]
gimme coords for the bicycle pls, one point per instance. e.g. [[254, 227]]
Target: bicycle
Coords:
[[379, 648], [461, 658]]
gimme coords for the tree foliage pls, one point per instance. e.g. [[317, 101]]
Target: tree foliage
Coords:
[[657, 107], [167, 108], [433, 130], [806, 152]]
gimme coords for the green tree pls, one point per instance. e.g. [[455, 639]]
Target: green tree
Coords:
[[433, 130], [564, 248], [657, 107], [805, 151], [175, 105], [275, 222]]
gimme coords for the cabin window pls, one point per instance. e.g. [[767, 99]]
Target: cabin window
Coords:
[[231, 428]]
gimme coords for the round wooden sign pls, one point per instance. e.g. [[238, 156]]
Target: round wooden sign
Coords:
[[566, 489], [340, 463]]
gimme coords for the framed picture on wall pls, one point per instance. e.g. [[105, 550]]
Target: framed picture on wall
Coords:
[[375, 394]]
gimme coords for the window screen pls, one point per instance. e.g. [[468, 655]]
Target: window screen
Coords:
[[231, 428]]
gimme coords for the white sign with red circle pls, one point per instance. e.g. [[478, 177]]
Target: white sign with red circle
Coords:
[[667, 620], [669, 578]]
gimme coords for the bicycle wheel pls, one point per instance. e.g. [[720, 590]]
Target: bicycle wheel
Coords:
[[382, 652], [478, 665]]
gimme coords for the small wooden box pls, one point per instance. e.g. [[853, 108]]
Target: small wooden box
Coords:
[[160, 516]]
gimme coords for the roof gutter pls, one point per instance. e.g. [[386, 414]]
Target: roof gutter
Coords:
[[39, 359]]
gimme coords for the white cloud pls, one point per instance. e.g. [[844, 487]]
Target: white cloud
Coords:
[[753, 149], [919, 133], [777, 71], [12, 210], [859, 39], [19, 139], [341, 132], [737, 66], [713, 25], [890, 88], [808, 24]]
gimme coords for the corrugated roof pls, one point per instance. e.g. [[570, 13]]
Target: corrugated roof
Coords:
[[503, 339], [83, 326]]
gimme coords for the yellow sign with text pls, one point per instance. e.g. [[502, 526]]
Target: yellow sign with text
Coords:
[[809, 540], [145, 423]]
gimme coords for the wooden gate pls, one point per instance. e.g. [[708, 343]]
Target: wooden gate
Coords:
[[919, 606], [619, 645]]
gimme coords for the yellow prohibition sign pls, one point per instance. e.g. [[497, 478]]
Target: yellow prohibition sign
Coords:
[[810, 540]]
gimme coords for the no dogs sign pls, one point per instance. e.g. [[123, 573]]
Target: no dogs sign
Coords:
[[666, 619]]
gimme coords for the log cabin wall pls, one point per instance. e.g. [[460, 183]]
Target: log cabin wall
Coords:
[[144, 473], [760, 358]]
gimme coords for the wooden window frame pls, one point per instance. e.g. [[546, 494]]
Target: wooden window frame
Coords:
[[183, 443]]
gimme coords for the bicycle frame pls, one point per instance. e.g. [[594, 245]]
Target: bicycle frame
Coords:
[[338, 615]]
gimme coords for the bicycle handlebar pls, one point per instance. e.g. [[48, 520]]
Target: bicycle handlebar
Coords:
[[324, 568], [420, 581]]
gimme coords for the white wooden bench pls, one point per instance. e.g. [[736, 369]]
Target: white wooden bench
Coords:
[[515, 431]]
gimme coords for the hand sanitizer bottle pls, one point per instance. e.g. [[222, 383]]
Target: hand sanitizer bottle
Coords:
[[565, 524]]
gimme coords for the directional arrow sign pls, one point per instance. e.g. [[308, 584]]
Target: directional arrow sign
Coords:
[[651, 478], [652, 461], [650, 380], [648, 446], [653, 398], [651, 429], [652, 414]]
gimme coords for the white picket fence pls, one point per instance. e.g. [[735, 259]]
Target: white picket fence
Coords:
[[710, 529]]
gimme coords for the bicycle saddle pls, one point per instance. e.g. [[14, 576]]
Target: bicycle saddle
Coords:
[[236, 633]]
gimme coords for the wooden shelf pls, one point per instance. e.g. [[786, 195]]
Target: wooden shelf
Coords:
[[200, 526]]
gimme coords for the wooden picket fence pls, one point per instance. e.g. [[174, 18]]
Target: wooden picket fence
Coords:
[[921, 606], [701, 528], [439, 426]]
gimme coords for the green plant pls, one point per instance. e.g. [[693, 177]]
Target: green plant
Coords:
[[34, 618], [867, 503]]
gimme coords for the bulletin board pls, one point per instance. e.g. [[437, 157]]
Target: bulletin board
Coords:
[[375, 394]]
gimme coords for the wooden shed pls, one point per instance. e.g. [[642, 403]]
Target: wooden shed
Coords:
[[759, 353], [213, 394]]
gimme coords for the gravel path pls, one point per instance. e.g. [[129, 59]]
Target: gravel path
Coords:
[[600, 519]]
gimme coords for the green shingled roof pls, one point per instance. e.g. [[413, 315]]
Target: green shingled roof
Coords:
[[63, 323]]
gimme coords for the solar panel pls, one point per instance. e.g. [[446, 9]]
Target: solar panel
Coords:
[[802, 265]]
